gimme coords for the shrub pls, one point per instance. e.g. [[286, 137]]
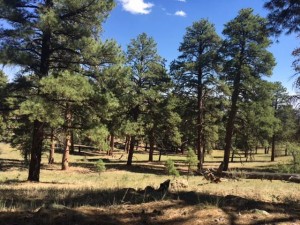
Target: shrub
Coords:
[[294, 165], [191, 160], [171, 169], [100, 166]]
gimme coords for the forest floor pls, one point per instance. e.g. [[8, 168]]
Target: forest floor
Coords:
[[119, 195]]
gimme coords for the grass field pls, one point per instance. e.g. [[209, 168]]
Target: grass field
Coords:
[[117, 196]]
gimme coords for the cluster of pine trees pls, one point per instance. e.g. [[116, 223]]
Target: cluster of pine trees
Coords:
[[73, 87]]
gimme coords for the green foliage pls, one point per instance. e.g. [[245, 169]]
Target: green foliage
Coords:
[[100, 166], [3, 85], [283, 15], [195, 75], [191, 160], [97, 136], [171, 169], [246, 59], [294, 150]]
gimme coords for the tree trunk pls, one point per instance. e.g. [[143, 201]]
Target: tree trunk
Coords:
[[52, 148], [66, 153], [137, 145], [204, 147], [112, 143], [182, 148], [38, 133], [200, 120], [246, 153], [232, 156], [36, 151], [131, 150], [135, 115], [273, 149], [72, 142], [263, 175], [230, 122], [146, 146], [160, 153], [151, 150], [126, 143]]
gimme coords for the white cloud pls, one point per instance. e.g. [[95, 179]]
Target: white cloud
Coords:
[[180, 13], [136, 6], [181, 0]]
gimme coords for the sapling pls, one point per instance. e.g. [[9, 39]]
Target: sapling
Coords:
[[171, 169], [100, 166]]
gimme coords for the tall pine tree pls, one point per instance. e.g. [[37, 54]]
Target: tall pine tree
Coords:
[[46, 36], [149, 79], [246, 56], [195, 71]]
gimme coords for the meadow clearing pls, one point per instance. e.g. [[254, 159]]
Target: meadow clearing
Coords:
[[118, 196]]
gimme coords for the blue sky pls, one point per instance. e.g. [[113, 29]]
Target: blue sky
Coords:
[[166, 21]]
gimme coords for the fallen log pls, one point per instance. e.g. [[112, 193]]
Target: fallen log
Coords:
[[263, 176]]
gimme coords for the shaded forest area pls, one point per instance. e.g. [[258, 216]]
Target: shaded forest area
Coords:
[[73, 89]]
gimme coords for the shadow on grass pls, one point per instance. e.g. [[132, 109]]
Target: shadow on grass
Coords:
[[130, 211], [8, 164]]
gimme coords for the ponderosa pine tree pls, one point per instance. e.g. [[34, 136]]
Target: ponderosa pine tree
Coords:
[[281, 102], [148, 77], [161, 124], [46, 36], [256, 122], [195, 70], [284, 16], [246, 56]]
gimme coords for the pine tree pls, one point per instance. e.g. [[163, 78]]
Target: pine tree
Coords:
[[245, 55], [148, 82], [195, 70], [284, 16], [255, 122], [45, 37]]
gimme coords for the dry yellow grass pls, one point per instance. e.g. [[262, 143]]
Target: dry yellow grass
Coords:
[[83, 190]]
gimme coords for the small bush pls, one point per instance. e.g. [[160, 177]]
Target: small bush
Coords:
[[191, 160], [171, 169], [294, 165], [100, 166]]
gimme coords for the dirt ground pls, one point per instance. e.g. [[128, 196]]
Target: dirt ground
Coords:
[[227, 210]]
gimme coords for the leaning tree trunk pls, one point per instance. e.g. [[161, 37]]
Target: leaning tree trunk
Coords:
[[36, 151], [52, 148], [230, 122], [131, 150], [66, 153]]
